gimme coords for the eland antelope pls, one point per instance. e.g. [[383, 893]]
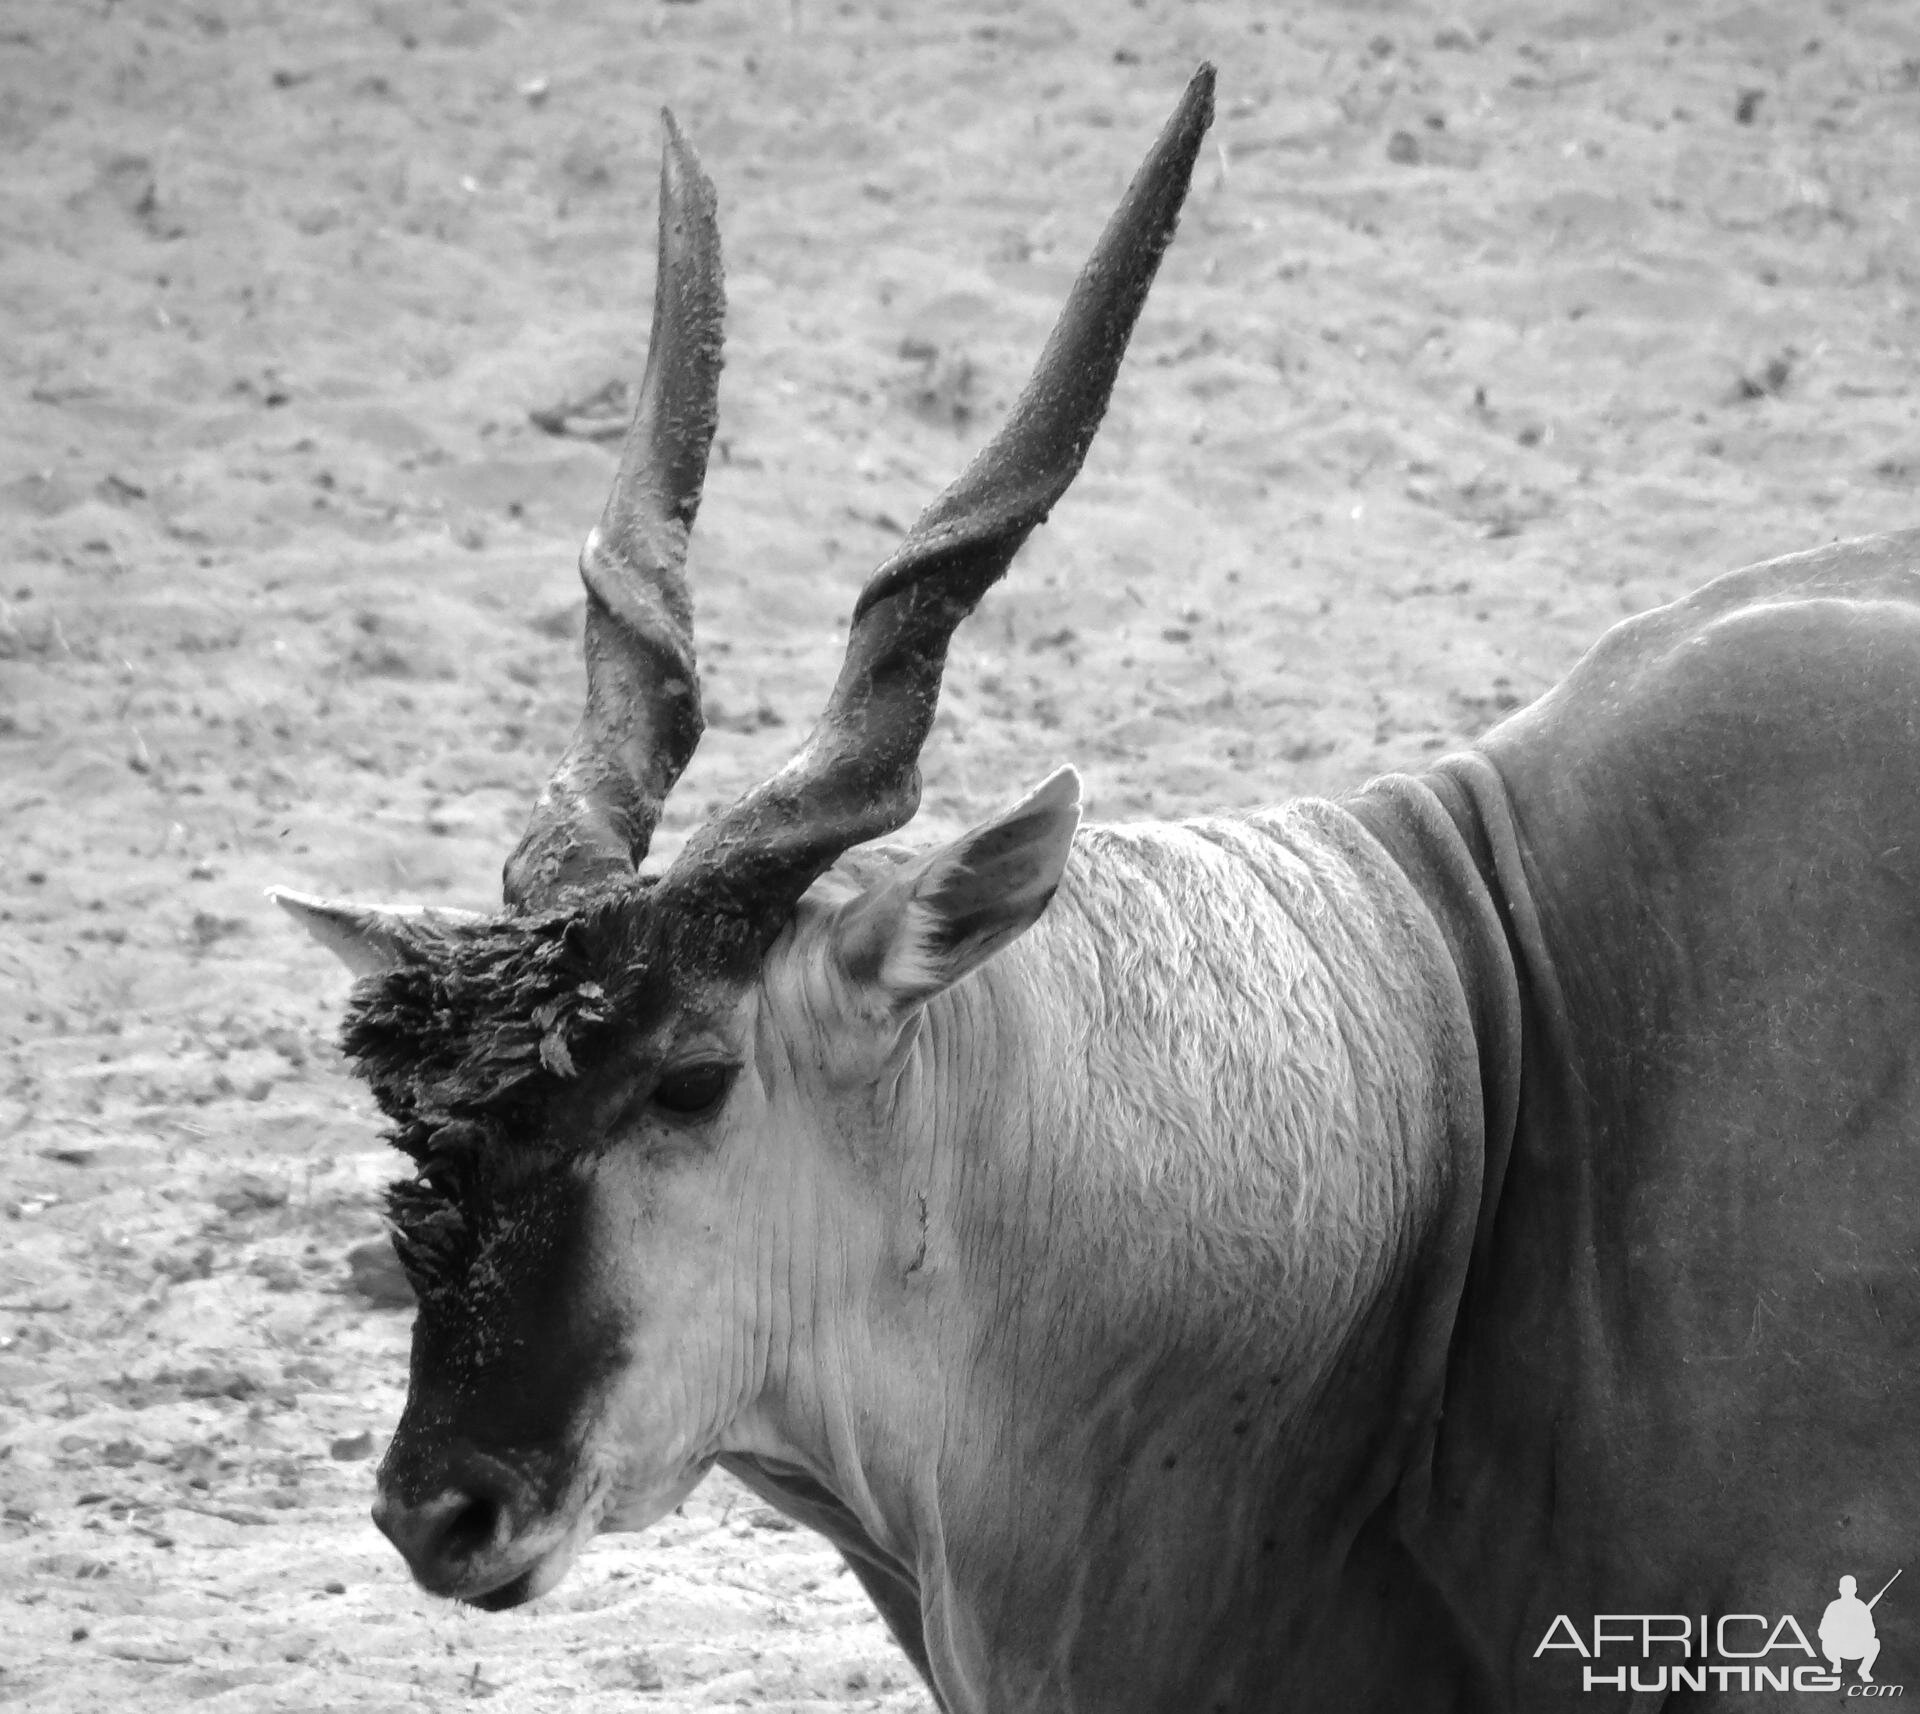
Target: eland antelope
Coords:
[[1315, 1258]]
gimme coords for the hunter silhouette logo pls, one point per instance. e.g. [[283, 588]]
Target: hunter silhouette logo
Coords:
[[1846, 1628], [1744, 1652]]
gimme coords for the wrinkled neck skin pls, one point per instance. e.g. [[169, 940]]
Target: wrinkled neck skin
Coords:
[[1110, 1353]]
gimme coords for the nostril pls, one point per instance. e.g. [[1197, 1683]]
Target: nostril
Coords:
[[468, 1530], [441, 1538]]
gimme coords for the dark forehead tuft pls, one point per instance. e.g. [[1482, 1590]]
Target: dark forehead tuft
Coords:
[[483, 1026], [481, 1023]]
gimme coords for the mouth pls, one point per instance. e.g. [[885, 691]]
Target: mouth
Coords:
[[489, 1542], [607, 1511], [516, 1564], [511, 1578], [515, 1592]]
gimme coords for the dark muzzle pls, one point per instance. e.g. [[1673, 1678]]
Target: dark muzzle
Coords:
[[461, 1538]]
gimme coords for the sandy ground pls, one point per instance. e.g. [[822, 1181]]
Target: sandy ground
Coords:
[[1487, 324]]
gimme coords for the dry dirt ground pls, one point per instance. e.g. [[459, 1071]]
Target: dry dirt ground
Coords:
[[1487, 323]]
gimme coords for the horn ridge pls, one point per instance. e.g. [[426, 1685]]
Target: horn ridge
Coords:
[[857, 776], [595, 816], [1016, 479]]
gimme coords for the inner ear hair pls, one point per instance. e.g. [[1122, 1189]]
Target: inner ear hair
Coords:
[[921, 931]]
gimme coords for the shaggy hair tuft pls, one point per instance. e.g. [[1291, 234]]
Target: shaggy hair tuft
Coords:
[[483, 1025]]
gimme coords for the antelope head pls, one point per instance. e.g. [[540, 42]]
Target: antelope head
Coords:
[[615, 1096]]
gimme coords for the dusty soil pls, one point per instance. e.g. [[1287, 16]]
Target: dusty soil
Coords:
[[1487, 323]]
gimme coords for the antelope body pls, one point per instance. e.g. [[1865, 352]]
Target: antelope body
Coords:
[[1270, 1262]]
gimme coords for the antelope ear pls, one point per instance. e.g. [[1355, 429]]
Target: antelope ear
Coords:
[[920, 931], [367, 939]]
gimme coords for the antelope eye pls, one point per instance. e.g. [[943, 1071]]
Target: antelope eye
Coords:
[[693, 1091]]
